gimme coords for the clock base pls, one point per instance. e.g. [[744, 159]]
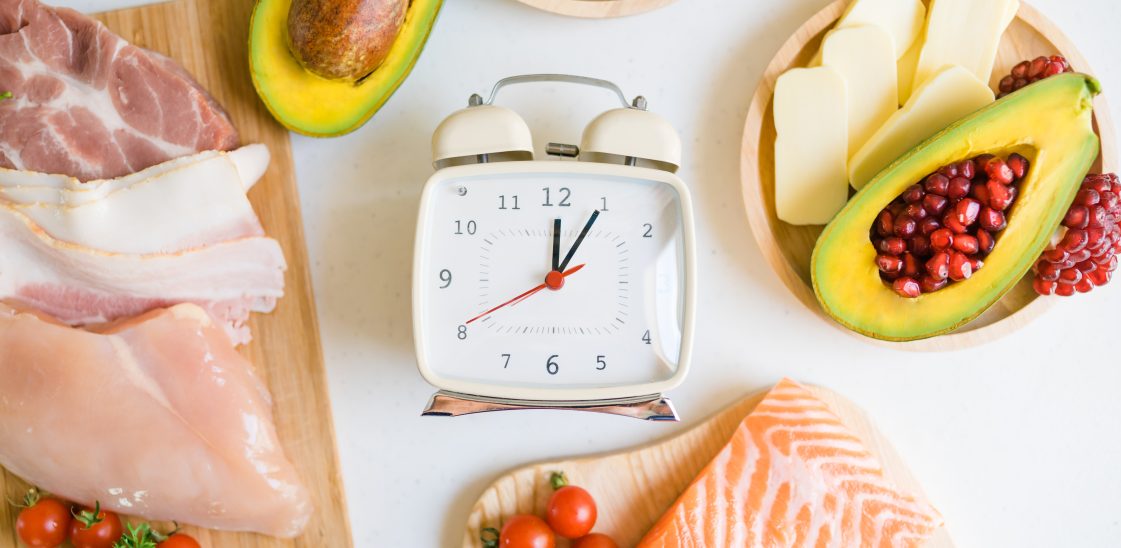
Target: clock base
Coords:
[[654, 407]]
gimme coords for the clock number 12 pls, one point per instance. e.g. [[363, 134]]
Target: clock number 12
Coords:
[[564, 201]]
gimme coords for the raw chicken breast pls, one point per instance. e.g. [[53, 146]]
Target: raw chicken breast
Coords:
[[157, 416]]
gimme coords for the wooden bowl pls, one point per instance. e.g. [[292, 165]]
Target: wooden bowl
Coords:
[[633, 488], [597, 9], [788, 248]]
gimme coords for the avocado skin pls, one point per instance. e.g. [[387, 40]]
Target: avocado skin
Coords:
[[1050, 123], [307, 103]]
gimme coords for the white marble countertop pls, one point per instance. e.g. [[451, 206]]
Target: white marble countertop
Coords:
[[1016, 442]]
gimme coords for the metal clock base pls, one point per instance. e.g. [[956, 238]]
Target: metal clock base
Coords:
[[453, 404]]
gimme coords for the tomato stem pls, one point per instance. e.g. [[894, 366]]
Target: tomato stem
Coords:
[[89, 519], [558, 480], [489, 537]]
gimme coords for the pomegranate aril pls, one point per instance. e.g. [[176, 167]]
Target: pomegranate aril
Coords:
[[967, 169], [919, 246], [1086, 266], [966, 211], [938, 266], [893, 246], [976, 264], [934, 204], [929, 225], [985, 242], [913, 194], [1047, 271], [1099, 184], [949, 220], [1064, 290], [982, 162], [1094, 236], [930, 285], [1000, 196], [907, 287], [1087, 197], [966, 244], [998, 171], [1074, 240], [1037, 66], [981, 193], [915, 211], [937, 184], [1021, 69], [1099, 276], [950, 170], [959, 188], [1018, 164], [910, 265], [992, 220], [1084, 286], [1070, 276], [905, 226], [1077, 257], [1043, 287], [889, 264], [1027, 72], [941, 239], [1055, 255], [960, 268], [1098, 216], [1077, 216]]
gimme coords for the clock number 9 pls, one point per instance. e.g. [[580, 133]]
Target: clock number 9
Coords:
[[446, 277], [551, 365]]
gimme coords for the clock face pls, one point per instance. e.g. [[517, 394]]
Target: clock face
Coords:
[[551, 285]]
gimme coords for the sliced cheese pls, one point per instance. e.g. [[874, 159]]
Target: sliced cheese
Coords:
[[965, 33], [863, 57], [905, 69], [947, 97], [901, 19], [811, 145]]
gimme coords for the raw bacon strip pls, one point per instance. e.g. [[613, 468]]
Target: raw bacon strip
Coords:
[[86, 103], [794, 475], [157, 417], [188, 207], [80, 286]]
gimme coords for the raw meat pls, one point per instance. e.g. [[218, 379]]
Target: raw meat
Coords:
[[85, 103], [189, 206], [794, 475], [81, 286], [157, 417]]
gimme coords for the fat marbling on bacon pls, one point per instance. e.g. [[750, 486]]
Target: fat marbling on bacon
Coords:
[[86, 103]]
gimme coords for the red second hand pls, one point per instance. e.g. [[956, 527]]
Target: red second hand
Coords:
[[525, 295]]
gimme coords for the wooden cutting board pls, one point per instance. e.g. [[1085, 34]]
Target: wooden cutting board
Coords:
[[209, 37], [634, 488]]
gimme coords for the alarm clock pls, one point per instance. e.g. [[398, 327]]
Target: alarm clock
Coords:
[[554, 284]]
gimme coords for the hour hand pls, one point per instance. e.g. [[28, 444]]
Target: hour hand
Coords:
[[556, 245]]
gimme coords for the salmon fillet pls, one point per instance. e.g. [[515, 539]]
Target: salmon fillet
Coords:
[[793, 475]]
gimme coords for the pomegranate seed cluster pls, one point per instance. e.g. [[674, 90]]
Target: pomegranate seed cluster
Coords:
[[1086, 256], [938, 231], [1027, 72]]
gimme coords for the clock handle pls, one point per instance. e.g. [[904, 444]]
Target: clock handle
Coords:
[[567, 78], [654, 407]]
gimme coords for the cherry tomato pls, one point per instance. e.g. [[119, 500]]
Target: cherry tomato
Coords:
[[526, 531], [595, 540], [103, 534], [44, 522], [571, 512], [179, 540]]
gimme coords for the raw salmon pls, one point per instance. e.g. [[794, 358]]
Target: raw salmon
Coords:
[[793, 475]]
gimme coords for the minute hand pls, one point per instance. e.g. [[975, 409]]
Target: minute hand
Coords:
[[579, 240]]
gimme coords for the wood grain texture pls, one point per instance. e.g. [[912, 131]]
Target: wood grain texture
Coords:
[[634, 488], [209, 37], [788, 248], [597, 9]]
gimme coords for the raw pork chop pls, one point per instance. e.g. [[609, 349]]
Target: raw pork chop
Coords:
[[158, 417], [794, 475], [82, 286], [88, 104]]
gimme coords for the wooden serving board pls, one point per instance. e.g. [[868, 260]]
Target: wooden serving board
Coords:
[[788, 248], [209, 37], [634, 488], [597, 9]]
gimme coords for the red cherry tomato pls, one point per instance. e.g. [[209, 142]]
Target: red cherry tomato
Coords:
[[571, 512], [595, 540], [526, 531], [179, 540], [103, 534], [44, 523]]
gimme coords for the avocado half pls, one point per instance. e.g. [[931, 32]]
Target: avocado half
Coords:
[[1050, 123], [309, 104]]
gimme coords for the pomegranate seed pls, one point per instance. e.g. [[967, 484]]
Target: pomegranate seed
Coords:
[[905, 226], [1047, 271], [966, 211], [1100, 276], [930, 285], [913, 194], [896, 207], [919, 246], [966, 244], [1055, 255], [1098, 183], [982, 161], [941, 239], [1053, 68], [950, 170], [929, 225], [885, 223], [937, 184], [934, 204], [967, 169], [976, 264], [907, 287], [985, 242], [1027, 72], [959, 188], [1085, 267], [1078, 256], [1018, 164], [992, 220], [915, 211], [1098, 216], [1077, 216], [1087, 197], [1064, 290], [1074, 240], [1111, 201], [981, 193], [938, 266], [1037, 66], [998, 171], [1000, 196], [889, 264], [893, 246], [1070, 276], [1007, 84], [910, 265], [960, 269], [949, 220], [1043, 287]]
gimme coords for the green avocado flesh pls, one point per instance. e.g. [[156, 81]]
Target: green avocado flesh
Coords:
[[1050, 123], [309, 104]]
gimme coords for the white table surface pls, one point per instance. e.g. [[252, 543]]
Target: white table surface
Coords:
[[1017, 442]]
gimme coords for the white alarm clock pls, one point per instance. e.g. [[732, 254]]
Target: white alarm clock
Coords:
[[554, 284]]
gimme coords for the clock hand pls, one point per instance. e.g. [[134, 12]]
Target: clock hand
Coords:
[[556, 244], [526, 295], [579, 240]]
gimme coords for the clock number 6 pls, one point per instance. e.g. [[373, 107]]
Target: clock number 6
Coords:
[[551, 365]]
